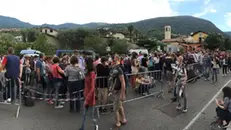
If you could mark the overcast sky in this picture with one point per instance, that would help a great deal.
(114, 11)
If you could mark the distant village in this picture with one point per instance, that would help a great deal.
(193, 41)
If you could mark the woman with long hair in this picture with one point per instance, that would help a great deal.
(135, 68)
(224, 107)
(89, 91)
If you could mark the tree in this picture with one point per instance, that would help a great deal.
(24, 36)
(130, 29)
(31, 35)
(119, 46)
(42, 45)
(21, 46)
(95, 43)
(6, 40)
(214, 41)
(227, 44)
(149, 44)
(73, 38)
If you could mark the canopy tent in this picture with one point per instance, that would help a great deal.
(23, 52)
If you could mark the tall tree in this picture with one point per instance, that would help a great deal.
(96, 44)
(214, 41)
(42, 45)
(31, 35)
(130, 29)
(6, 40)
(73, 38)
(227, 44)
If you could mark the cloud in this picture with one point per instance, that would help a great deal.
(207, 2)
(213, 11)
(84, 11)
(205, 12)
(228, 19)
(183, 0)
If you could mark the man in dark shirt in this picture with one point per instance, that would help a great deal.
(144, 61)
(13, 68)
(168, 61)
(102, 71)
(40, 71)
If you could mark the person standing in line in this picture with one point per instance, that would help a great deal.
(135, 68)
(215, 69)
(207, 66)
(57, 80)
(168, 62)
(89, 92)
(102, 70)
(75, 76)
(181, 80)
(224, 65)
(144, 62)
(118, 88)
(40, 71)
(13, 67)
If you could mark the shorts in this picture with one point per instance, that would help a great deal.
(117, 102)
(102, 95)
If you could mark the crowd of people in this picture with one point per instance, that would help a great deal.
(72, 73)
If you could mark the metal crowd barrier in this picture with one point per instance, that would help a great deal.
(10, 93)
(194, 72)
(134, 90)
(153, 86)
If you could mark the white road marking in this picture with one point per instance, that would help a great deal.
(205, 107)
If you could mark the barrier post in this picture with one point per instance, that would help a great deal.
(11, 93)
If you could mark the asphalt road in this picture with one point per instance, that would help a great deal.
(146, 114)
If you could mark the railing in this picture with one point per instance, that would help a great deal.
(10, 92)
(135, 90)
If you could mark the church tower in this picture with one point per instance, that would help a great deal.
(167, 32)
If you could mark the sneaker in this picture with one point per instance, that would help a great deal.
(59, 106)
(223, 126)
(104, 111)
(8, 100)
(178, 107)
(184, 111)
(62, 103)
(96, 127)
(50, 102)
(173, 99)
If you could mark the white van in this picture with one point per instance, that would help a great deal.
(143, 51)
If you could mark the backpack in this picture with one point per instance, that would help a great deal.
(28, 101)
(113, 79)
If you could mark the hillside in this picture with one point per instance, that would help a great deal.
(179, 24)
(228, 33)
(8, 22)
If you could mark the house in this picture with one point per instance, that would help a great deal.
(10, 29)
(118, 36)
(192, 42)
(49, 31)
(199, 36)
(18, 38)
(115, 35)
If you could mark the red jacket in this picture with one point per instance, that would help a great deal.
(89, 90)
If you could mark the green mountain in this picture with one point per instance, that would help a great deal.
(180, 25)
(228, 33)
(9, 22)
